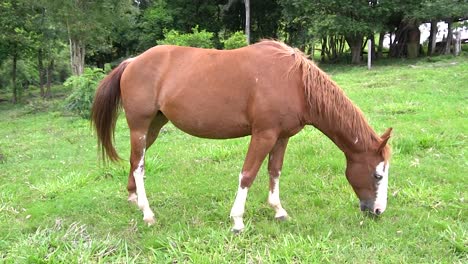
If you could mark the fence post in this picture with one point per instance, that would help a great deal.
(369, 54)
(457, 49)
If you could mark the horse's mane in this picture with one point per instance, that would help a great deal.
(326, 99)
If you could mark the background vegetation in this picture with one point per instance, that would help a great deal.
(43, 42)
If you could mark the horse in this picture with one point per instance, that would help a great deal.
(267, 90)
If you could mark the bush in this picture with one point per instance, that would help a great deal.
(200, 39)
(236, 40)
(83, 90)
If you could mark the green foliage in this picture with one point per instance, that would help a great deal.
(26, 73)
(236, 40)
(96, 25)
(83, 90)
(323, 18)
(155, 18)
(199, 39)
(425, 10)
(16, 35)
(265, 16)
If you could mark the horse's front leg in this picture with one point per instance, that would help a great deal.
(260, 145)
(275, 163)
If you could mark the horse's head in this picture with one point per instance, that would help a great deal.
(367, 173)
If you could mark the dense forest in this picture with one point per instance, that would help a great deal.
(46, 41)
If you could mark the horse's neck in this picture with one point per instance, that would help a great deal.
(342, 122)
(342, 139)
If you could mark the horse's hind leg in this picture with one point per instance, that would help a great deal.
(158, 122)
(143, 132)
(275, 163)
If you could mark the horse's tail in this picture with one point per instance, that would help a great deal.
(105, 111)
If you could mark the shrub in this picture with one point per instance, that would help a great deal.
(236, 40)
(83, 90)
(200, 39)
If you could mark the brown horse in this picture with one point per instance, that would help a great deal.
(267, 90)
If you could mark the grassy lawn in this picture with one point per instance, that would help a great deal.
(59, 204)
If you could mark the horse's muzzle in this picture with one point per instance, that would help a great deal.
(369, 206)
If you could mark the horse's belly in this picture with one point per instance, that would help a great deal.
(208, 120)
(218, 130)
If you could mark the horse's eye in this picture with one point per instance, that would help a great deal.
(377, 176)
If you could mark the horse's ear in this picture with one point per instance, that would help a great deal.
(385, 137)
(387, 133)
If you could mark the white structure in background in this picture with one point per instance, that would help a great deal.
(425, 32)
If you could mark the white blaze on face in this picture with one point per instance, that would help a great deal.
(382, 186)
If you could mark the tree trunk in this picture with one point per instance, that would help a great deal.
(13, 76)
(247, 20)
(355, 43)
(371, 52)
(448, 43)
(432, 38)
(392, 44)
(406, 41)
(324, 47)
(356, 54)
(40, 69)
(77, 56)
(49, 69)
(342, 45)
(312, 52)
(380, 47)
(333, 49)
(414, 36)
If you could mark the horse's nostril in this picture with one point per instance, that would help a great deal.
(377, 211)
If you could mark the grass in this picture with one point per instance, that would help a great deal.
(59, 204)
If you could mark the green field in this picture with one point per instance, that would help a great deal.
(58, 203)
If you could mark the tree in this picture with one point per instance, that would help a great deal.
(46, 45)
(152, 22)
(407, 15)
(178, 15)
(15, 36)
(433, 11)
(332, 19)
(247, 16)
(88, 22)
(247, 20)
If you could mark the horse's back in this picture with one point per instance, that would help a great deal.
(212, 93)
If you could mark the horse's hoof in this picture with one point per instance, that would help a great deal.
(149, 220)
(132, 198)
(236, 231)
(282, 218)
